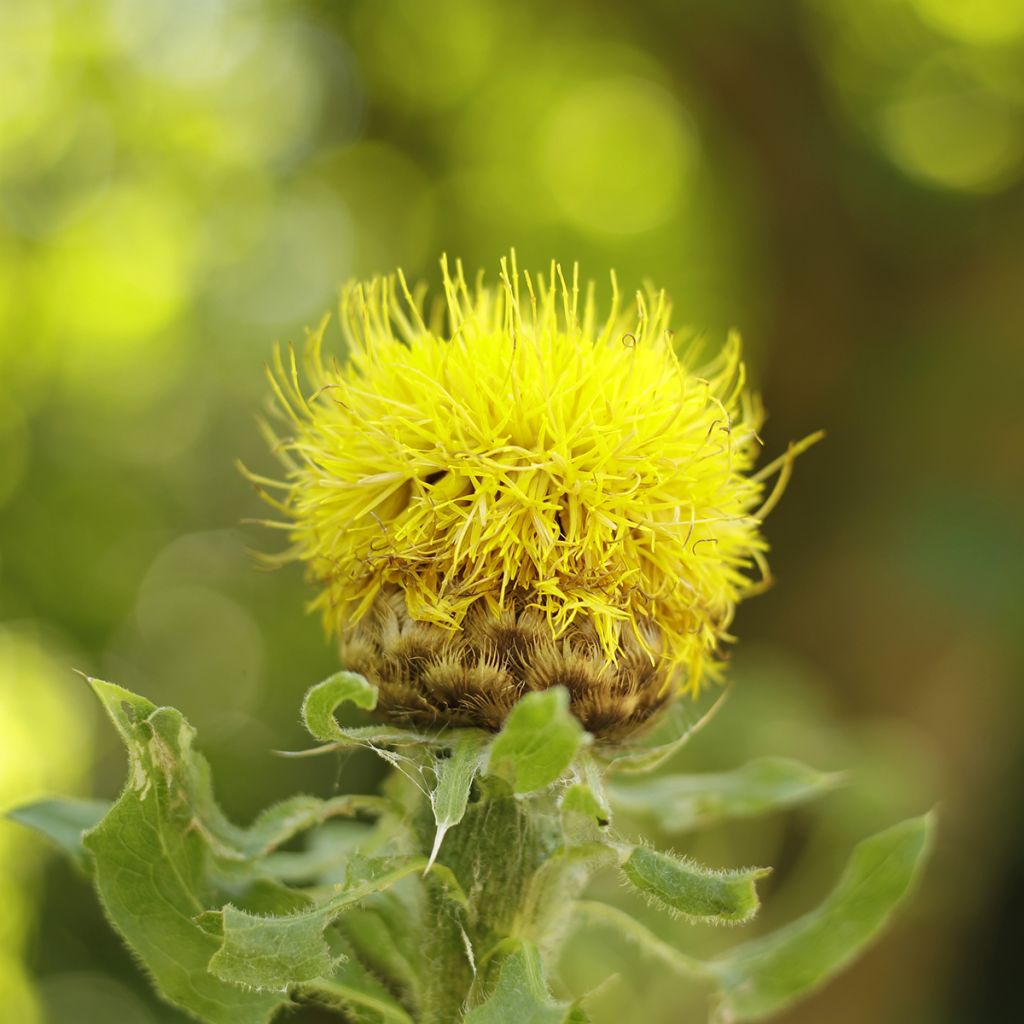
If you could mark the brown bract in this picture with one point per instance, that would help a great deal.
(430, 676)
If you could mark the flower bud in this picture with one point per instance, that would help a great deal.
(508, 493)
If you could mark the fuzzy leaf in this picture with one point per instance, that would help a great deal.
(356, 995)
(587, 795)
(455, 775)
(384, 937)
(587, 913)
(680, 803)
(675, 727)
(323, 860)
(150, 855)
(761, 977)
(282, 821)
(538, 742)
(521, 995)
(166, 859)
(274, 952)
(63, 822)
(564, 873)
(696, 892)
(323, 700)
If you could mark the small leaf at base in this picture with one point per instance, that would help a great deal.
(727, 897)
(521, 995)
(272, 952)
(538, 742)
(455, 775)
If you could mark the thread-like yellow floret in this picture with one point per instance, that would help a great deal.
(512, 441)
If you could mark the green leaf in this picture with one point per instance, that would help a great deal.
(587, 795)
(273, 952)
(323, 860)
(696, 892)
(323, 700)
(625, 926)
(63, 822)
(761, 977)
(680, 803)
(538, 742)
(282, 821)
(150, 857)
(166, 859)
(354, 993)
(455, 775)
(521, 995)
(560, 878)
(384, 936)
(674, 728)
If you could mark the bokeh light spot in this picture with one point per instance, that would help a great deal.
(14, 446)
(45, 747)
(187, 41)
(83, 996)
(975, 21)
(293, 269)
(617, 154)
(224, 652)
(26, 69)
(409, 60)
(953, 134)
(389, 201)
(120, 271)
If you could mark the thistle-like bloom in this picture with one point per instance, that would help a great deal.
(510, 492)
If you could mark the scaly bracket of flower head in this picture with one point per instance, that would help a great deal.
(508, 493)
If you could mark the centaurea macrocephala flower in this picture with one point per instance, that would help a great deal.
(511, 491)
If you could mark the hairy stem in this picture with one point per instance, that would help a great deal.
(495, 853)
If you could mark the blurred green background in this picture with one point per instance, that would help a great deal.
(183, 183)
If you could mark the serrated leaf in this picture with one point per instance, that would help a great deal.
(150, 854)
(696, 892)
(63, 822)
(682, 802)
(675, 727)
(455, 775)
(761, 977)
(521, 995)
(538, 741)
(166, 859)
(273, 952)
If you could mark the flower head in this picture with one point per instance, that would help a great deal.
(513, 491)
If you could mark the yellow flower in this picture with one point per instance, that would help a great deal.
(509, 492)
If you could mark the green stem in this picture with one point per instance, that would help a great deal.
(495, 853)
